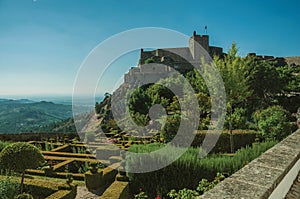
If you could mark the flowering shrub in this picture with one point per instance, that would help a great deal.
(141, 195)
(204, 185)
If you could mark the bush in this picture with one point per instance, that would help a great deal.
(183, 194)
(3, 145)
(241, 138)
(238, 119)
(273, 123)
(171, 127)
(8, 188)
(189, 168)
(204, 186)
(20, 156)
(149, 60)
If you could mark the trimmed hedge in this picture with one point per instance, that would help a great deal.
(64, 194)
(241, 138)
(189, 169)
(3, 144)
(19, 156)
(117, 190)
(44, 188)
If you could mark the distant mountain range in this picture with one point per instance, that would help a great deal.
(23, 115)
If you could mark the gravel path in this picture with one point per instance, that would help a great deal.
(294, 192)
(83, 193)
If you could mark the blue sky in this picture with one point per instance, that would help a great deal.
(44, 42)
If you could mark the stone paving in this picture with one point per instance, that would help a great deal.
(83, 193)
(294, 192)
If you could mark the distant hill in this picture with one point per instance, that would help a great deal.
(65, 126)
(18, 116)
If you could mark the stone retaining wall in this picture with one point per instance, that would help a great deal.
(268, 176)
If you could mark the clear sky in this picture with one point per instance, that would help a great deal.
(44, 42)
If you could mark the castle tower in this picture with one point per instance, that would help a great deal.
(203, 40)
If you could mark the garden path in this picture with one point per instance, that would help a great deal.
(294, 192)
(83, 193)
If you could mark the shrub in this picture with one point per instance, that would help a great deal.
(204, 185)
(183, 194)
(170, 129)
(238, 119)
(3, 144)
(241, 138)
(20, 156)
(273, 123)
(8, 188)
(141, 195)
(149, 60)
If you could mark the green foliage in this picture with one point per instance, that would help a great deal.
(203, 186)
(24, 196)
(273, 123)
(149, 60)
(69, 177)
(8, 188)
(3, 144)
(20, 156)
(66, 125)
(264, 80)
(141, 195)
(189, 168)
(48, 146)
(170, 129)
(238, 119)
(242, 138)
(139, 101)
(183, 194)
(234, 70)
(197, 82)
(18, 117)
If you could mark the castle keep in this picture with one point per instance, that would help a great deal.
(170, 59)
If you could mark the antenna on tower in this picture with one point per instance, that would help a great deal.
(205, 29)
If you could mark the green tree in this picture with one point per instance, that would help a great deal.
(197, 82)
(234, 71)
(265, 82)
(139, 101)
(171, 127)
(273, 123)
(20, 156)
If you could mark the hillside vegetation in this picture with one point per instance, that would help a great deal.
(18, 116)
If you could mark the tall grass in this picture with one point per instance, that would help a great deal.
(189, 169)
